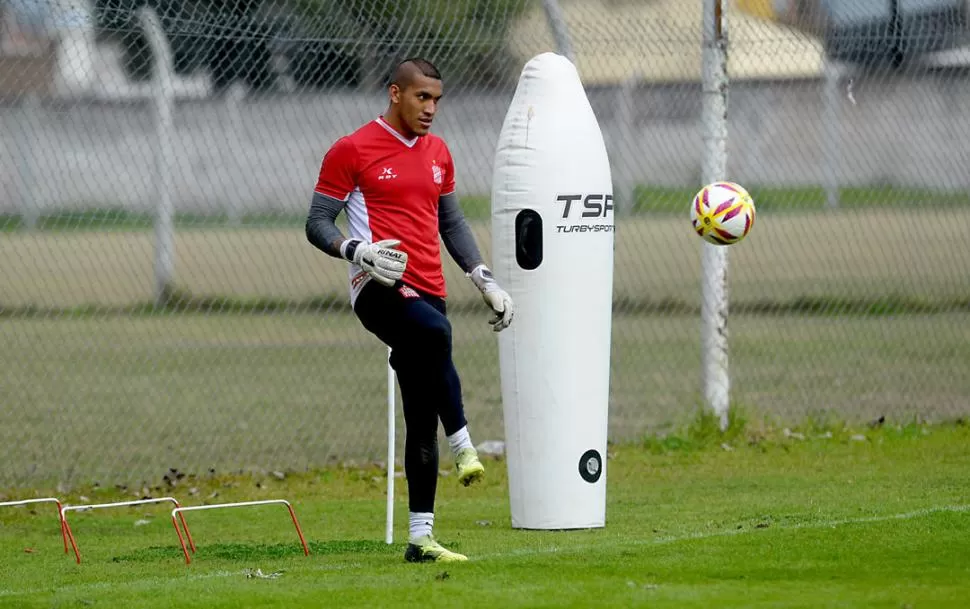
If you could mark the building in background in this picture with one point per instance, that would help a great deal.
(23, 26)
(872, 31)
(47, 47)
(26, 51)
(56, 48)
(659, 41)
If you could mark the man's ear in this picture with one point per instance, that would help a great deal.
(395, 93)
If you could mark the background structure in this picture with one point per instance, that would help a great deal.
(160, 306)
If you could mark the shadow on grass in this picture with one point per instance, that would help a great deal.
(747, 427)
(180, 301)
(250, 551)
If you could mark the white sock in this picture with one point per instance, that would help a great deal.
(420, 524)
(459, 440)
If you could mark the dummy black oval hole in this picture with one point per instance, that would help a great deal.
(528, 239)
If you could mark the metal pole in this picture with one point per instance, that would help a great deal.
(24, 135)
(832, 130)
(237, 127)
(164, 157)
(389, 532)
(714, 299)
(560, 31)
(625, 136)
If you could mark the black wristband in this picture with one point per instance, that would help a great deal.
(350, 248)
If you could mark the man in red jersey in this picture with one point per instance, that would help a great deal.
(396, 182)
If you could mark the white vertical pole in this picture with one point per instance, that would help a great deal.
(832, 129)
(560, 31)
(714, 299)
(25, 132)
(164, 157)
(389, 532)
(624, 134)
(234, 98)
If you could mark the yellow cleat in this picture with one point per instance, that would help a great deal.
(426, 549)
(470, 469)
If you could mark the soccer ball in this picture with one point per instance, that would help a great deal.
(722, 213)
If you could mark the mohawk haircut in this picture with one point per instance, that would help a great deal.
(405, 71)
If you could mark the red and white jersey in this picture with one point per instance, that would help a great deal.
(392, 185)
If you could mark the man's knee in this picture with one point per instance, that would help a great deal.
(434, 335)
(440, 332)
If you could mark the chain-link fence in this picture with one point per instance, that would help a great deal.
(161, 308)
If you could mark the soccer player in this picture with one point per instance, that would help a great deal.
(396, 183)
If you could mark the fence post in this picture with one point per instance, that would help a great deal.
(26, 159)
(714, 299)
(236, 138)
(624, 135)
(832, 129)
(163, 105)
(560, 31)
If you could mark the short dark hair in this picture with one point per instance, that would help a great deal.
(406, 69)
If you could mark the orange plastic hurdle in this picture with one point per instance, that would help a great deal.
(178, 511)
(95, 506)
(60, 517)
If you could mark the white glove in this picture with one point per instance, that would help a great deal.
(380, 260)
(494, 296)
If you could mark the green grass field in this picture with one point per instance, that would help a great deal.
(851, 314)
(839, 319)
(859, 258)
(126, 398)
(646, 199)
(820, 518)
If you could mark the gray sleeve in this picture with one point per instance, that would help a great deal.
(456, 234)
(321, 228)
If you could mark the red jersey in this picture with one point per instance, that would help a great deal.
(392, 185)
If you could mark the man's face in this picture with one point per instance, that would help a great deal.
(417, 103)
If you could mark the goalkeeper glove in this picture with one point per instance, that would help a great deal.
(380, 260)
(494, 296)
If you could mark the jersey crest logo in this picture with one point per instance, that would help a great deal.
(408, 292)
(387, 173)
(436, 172)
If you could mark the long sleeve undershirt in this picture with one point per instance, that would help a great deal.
(322, 231)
